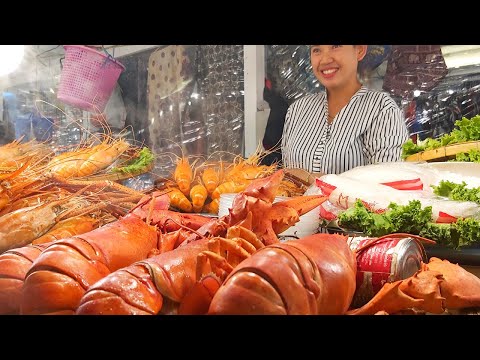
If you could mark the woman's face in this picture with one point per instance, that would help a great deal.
(335, 66)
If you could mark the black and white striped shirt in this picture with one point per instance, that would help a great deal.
(369, 129)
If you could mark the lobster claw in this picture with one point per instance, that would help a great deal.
(286, 213)
(265, 188)
(420, 291)
(461, 288)
(243, 204)
(257, 197)
(282, 215)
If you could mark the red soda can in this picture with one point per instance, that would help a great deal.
(387, 260)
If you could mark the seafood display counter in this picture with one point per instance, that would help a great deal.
(148, 258)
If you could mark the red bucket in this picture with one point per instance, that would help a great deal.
(88, 78)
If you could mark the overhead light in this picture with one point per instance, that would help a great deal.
(10, 58)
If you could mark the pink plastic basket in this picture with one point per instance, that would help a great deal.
(88, 78)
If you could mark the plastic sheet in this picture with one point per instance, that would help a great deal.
(432, 95)
(290, 71)
(180, 100)
(195, 102)
(36, 115)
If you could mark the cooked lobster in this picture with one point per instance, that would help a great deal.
(312, 275)
(14, 264)
(269, 282)
(269, 218)
(61, 274)
(148, 287)
(178, 281)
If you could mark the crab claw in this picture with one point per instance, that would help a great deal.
(419, 291)
(461, 288)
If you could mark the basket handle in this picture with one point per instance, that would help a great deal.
(107, 53)
(109, 57)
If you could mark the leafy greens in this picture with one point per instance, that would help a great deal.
(467, 130)
(410, 219)
(144, 159)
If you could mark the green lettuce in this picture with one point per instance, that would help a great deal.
(359, 218)
(144, 159)
(466, 130)
(412, 219)
(409, 218)
(456, 191)
(473, 155)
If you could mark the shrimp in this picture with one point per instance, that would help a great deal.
(13, 153)
(87, 161)
(230, 187)
(32, 200)
(249, 168)
(4, 197)
(22, 226)
(183, 175)
(198, 195)
(179, 200)
(66, 165)
(7, 191)
(211, 179)
(104, 156)
(212, 207)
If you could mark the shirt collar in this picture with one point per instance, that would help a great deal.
(363, 90)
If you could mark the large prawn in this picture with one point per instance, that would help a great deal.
(17, 152)
(87, 161)
(22, 226)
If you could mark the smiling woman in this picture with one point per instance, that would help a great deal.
(346, 126)
(10, 58)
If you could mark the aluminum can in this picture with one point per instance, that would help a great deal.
(388, 260)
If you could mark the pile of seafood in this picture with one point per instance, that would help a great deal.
(197, 186)
(44, 196)
(156, 261)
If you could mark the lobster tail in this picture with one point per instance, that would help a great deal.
(60, 276)
(64, 271)
(14, 264)
(312, 275)
(128, 291)
(146, 287)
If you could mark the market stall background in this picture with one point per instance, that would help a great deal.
(195, 99)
